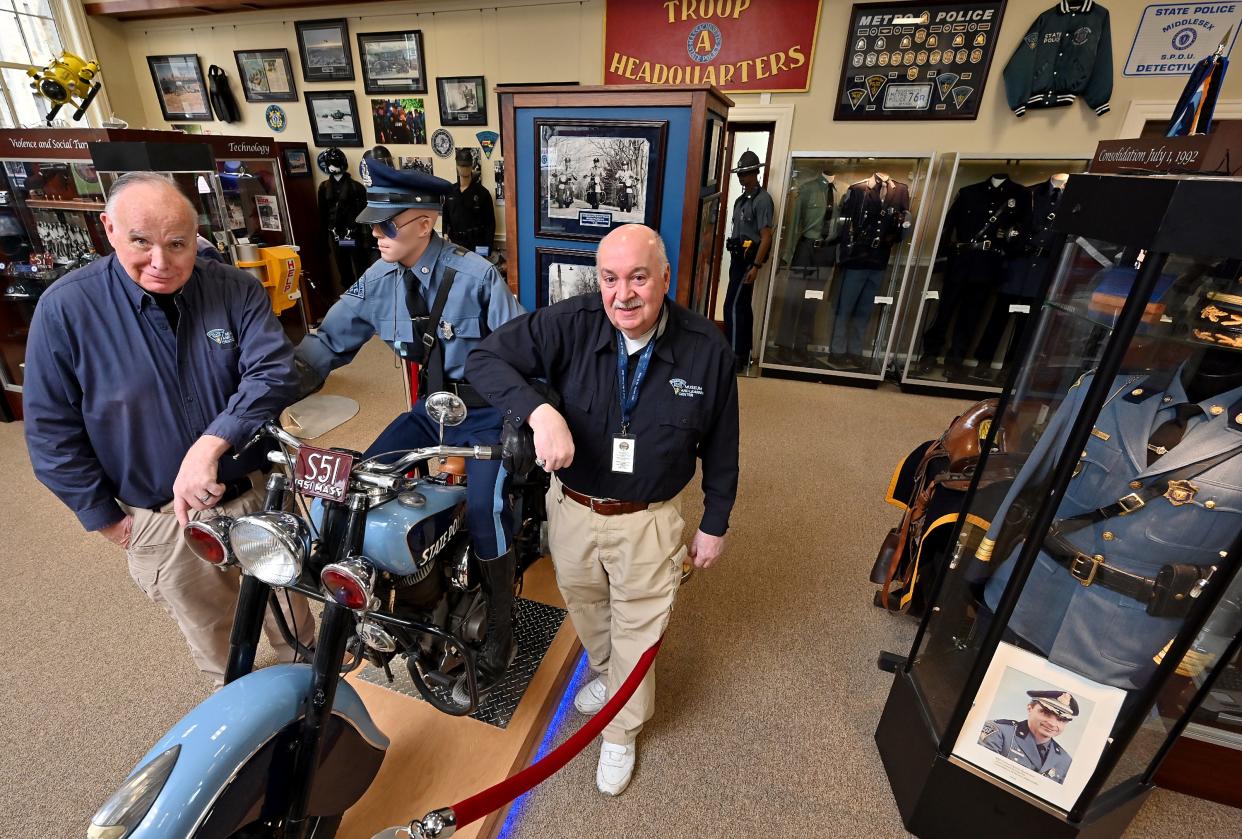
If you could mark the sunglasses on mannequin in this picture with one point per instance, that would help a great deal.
(390, 229)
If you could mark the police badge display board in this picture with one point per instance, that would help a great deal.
(916, 61)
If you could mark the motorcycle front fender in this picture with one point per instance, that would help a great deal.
(232, 736)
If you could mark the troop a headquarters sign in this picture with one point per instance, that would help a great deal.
(1173, 37)
(751, 46)
(917, 61)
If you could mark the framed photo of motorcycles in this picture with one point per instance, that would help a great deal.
(392, 62)
(597, 175)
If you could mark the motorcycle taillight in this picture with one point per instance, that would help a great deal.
(349, 583)
(208, 539)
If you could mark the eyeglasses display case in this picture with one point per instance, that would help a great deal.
(1089, 605)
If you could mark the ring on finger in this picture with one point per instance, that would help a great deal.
(540, 462)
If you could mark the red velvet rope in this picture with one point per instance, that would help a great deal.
(494, 797)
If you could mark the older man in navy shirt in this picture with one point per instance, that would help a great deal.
(143, 370)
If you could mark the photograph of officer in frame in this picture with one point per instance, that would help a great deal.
(1038, 726)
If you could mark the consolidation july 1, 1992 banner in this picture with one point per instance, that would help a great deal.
(750, 46)
(917, 61)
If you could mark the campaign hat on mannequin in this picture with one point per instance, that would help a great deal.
(393, 191)
(748, 162)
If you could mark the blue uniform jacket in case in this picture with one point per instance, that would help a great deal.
(1067, 53)
(114, 398)
(479, 302)
(1092, 630)
(1013, 739)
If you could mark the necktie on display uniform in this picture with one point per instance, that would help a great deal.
(1170, 433)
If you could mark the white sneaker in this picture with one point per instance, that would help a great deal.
(591, 696)
(616, 765)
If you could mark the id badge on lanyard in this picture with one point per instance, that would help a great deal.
(624, 445)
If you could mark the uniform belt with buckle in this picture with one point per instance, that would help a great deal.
(605, 506)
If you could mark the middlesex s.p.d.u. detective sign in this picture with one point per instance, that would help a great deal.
(751, 46)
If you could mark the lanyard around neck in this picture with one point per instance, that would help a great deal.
(629, 399)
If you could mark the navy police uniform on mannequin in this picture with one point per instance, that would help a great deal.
(1154, 502)
(432, 302)
(1031, 742)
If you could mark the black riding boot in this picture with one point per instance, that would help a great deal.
(496, 578)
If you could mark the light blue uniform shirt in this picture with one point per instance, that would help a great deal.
(479, 302)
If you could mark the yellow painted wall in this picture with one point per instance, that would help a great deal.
(562, 40)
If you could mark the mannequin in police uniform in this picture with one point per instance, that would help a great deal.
(396, 299)
(977, 230)
(1153, 505)
(469, 217)
(1031, 742)
(341, 199)
(810, 252)
(749, 245)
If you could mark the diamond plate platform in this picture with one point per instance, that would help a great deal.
(537, 625)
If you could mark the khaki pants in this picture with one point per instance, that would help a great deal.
(201, 598)
(619, 576)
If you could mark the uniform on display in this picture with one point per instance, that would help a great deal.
(1066, 54)
(469, 215)
(341, 199)
(1089, 598)
(810, 252)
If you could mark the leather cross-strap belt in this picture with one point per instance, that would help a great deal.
(605, 506)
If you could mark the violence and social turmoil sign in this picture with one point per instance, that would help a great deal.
(751, 46)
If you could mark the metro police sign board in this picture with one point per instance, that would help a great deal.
(1173, 37)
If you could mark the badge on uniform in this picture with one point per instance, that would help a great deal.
(623, 454)
(446, 330)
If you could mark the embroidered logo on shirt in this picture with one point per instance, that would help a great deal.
(358, 289)
(221, 336)
(682, 388)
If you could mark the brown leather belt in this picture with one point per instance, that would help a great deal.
(605, 506)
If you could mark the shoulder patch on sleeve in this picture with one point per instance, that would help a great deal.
(989, 728)
(358, 289)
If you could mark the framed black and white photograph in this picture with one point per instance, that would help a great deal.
(266, 75)
(463, 100)
(564, 273)
(1038, 726)
(180, 87)
(392, 62)
(334, 118)
(324, 48)
(595, 175)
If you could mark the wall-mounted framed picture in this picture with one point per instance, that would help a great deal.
(392, 62)
(297, 162)
(711, 156)
(180, 87)
(266, 75)
(564, 273)
(463, 100)
(595, 175)
(334, 117)
(323, 46)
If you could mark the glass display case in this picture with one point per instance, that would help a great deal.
(843, 256)
(1090, 602)
(991, 252)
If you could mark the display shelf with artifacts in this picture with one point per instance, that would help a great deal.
(582, 161)
(1087, 609)
(844, 254)
(982, 281)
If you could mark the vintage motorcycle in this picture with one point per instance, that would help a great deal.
(282, 752)
(594, 191)
(564, 191)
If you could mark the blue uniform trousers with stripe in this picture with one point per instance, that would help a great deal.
(488, 514)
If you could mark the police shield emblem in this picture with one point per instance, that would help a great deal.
(933, 41)
(961, 94)
(906, 43)
(959, 40)
(881, 43)
(920, 36)
(980, 39)
(446, 330)
(874, 83)
(856, 95)
(1180, 492)
(883, 59)
(945, 82)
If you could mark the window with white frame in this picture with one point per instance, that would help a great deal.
(29, 36)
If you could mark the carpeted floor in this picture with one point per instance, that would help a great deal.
(768, 689)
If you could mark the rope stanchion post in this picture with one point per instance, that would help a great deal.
(444, 822)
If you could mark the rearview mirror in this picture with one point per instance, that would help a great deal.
(446, 408)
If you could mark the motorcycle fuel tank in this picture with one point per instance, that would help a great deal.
(400, 537)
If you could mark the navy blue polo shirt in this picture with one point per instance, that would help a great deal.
(114, 397)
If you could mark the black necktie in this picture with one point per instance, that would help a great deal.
(414, 296)
(1170, 433)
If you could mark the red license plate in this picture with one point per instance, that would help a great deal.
(322, 473)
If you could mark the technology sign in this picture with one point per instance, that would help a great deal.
(1173, 37)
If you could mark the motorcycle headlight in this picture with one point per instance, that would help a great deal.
(128, 806)
(271, 546)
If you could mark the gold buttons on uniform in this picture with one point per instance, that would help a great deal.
(1216, 410)
(1138, 391)
(1136, 484)
(1109, 536)
(1211, 505)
